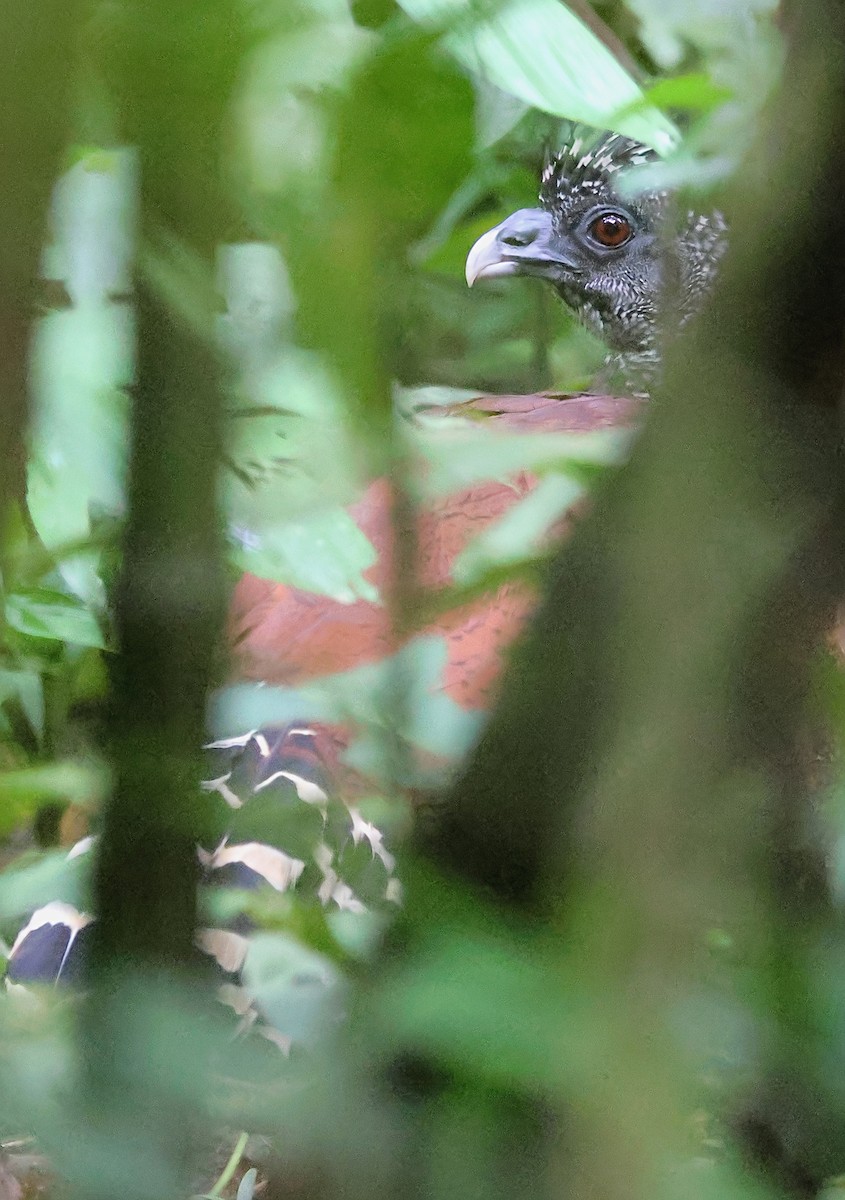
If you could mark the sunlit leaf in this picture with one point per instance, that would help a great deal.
(77, 465)
(541, 52)
(42, 613)
(325, 553)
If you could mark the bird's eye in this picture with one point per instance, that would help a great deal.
(612, 230)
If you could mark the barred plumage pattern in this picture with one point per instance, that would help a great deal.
(282, 780)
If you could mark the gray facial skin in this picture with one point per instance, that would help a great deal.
(605, 256)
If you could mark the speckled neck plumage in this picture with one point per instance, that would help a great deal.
(621, 300)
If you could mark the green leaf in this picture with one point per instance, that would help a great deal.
(490, 1005)
(519, 531)
(427, 717)
(294, 465)
(297, 990)
(406, 96)
(460, 452)
(277, 437)
(357, 933)
(43, 613)
(451, 254)
(695, 92)
(542, 53)
(668, 30)
(325, 552)
(364, 871)
(51, 877)
(27, 688)
(278, 817)
(78, 442)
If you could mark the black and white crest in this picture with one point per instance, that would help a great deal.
(588, 163)
(608, 249)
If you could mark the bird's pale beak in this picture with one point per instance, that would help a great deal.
(521, 245)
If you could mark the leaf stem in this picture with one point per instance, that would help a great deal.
(231, 1165)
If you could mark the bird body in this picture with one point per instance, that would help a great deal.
(605, 255)
(285, 635)
(292, 638)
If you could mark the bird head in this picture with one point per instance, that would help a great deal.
(604, 252)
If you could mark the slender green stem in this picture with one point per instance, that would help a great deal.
(231, 1165)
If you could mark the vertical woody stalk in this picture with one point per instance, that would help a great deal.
(647, 773)
(36, 74)
(176, 65)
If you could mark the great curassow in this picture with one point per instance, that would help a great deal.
(606, 257)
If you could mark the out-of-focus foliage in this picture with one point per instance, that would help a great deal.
(301, 117)
(546, 56)
(368, 147)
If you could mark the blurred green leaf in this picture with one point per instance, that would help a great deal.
(53, 876)
(427, 717)
(282, 504)
(540, 51)
(451, 254)
(27, 687)
(460, 451)
(364, 871)
(713, 25)
(42, 613)
(485, 1004)
(298, 991)
(77, 782)
(695, 92)
(78, 455)
(391, 106)
(325, 553)
(519, 531)
(357, 934)
(278, 817)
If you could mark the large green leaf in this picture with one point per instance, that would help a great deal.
(294, 465)
(460, 452)
(325, 552)
(42, 613)
(82, 357)
(542, 53)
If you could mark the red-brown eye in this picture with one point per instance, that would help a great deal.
(611, 230)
